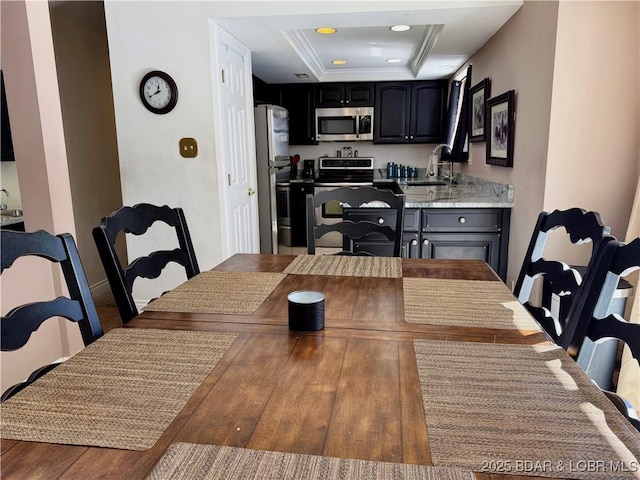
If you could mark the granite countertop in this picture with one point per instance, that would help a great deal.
(468, 192)
(9, 217)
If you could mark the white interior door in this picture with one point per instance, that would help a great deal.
(235, 144)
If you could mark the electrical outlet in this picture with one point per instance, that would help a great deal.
(188, 147)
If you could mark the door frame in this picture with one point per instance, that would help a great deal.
(217, 35)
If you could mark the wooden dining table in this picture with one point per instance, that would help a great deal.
(350, 390)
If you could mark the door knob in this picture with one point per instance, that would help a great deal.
(251, 191)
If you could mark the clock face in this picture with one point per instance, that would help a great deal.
(158, 92)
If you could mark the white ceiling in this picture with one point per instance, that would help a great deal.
(444, 35)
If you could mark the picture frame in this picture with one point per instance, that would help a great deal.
(480, 92)
(500, 128)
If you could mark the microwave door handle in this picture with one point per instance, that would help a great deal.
(357, 126)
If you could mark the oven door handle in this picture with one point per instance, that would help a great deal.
(343, 184)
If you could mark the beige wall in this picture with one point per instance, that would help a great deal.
(593, 156)
(38, 139)
(520, 57)
(576, 129)
(82, 61)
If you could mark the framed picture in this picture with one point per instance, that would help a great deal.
(479, 93)
(500, 129)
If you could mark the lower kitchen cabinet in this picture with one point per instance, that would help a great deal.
(373, 243)
(442, 233)
(410, 245)
(16, 227)
(466, 233)
(473, 246)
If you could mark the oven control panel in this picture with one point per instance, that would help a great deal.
(341, 163)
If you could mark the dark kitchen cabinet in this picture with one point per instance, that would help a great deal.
(329, 95)
(466, 233)
(298, 211)
(265, 93)
(410, 112)
(299, 100)
(470, 246)
(374, 243)
(411, 233)
(16, 227)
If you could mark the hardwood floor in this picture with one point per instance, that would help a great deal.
(107, 311)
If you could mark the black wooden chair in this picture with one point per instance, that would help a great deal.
(590, 315)
(136, 220)
(355, 232)
(558, 278)
(22, 321)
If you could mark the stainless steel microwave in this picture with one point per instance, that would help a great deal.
(347, 124)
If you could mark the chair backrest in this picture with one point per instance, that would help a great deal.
(561, 279)
(590, 315)
(136, 220)
(22, 321)
(354, 230)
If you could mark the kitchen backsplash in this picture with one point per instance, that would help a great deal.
(410, 155)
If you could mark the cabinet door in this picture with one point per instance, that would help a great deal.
(466, 246)
(374, 243)
(344, 95)
(391, 123)
(428, 101)
(298, 212)
(410, 245)
(265, 93)
(298, 99)
(411, 220)
(359, 94)
(330, 95)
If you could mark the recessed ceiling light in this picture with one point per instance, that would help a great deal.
(339, 62)
(301, 75)
(400, 28)
(394, 60)
(446, 67)
(326, 30)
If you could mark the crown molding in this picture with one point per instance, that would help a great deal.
(430, 38)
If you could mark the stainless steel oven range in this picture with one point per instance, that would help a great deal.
(335, 172)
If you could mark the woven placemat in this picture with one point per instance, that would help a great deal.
(200, 462)
(346, 266)
(521, 409)
(239, 293)
(464, 303)
(122, 391)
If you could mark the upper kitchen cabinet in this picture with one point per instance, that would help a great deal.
(299, 100)
(265, 93)
(410, 112)
(330, 95)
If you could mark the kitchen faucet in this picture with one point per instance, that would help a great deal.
(3, 206)
(430, 171)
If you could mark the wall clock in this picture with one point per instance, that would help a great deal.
(158, 92)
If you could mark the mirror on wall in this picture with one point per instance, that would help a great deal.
(457, 120)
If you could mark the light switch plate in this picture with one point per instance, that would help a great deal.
(188, 147)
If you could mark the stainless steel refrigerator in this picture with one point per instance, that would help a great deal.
(272, 155)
